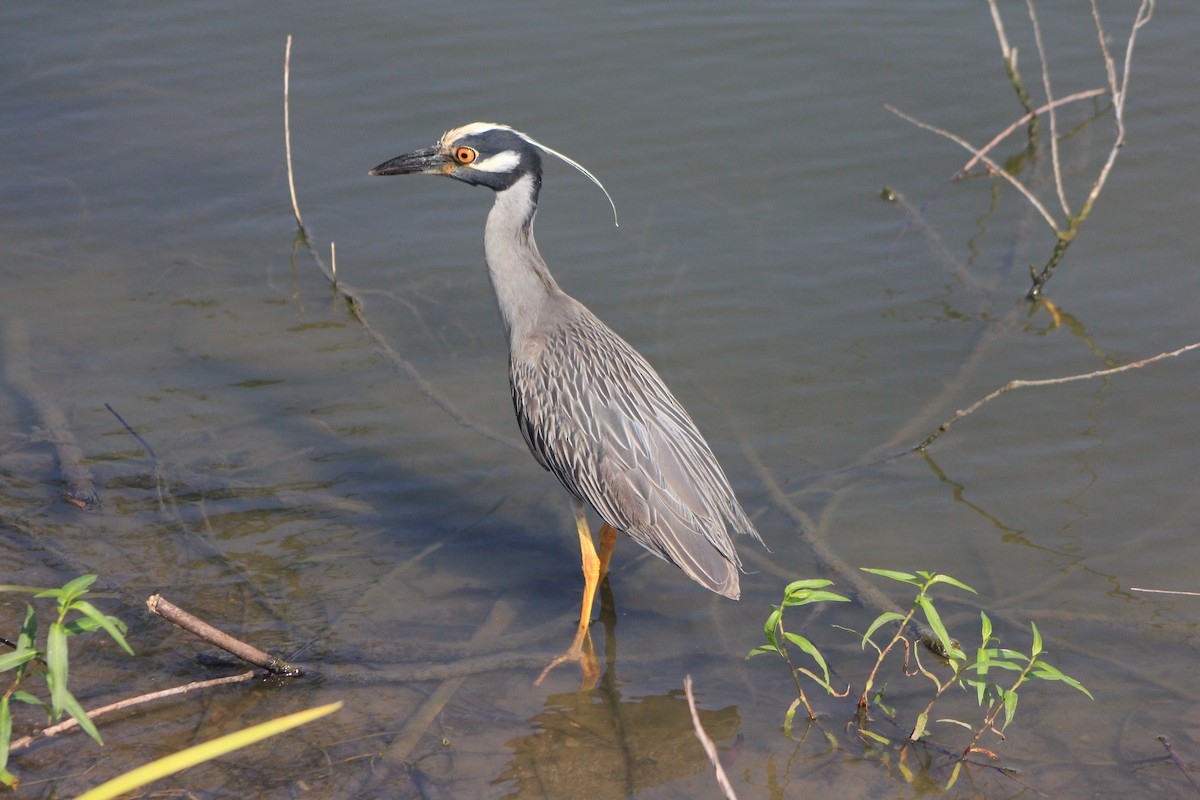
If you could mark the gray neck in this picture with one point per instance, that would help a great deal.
(520, 279)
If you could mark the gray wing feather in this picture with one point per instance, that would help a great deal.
(596, 415)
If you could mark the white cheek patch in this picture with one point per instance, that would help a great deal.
(501, 162)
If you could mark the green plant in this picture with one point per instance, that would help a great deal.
(798, 593)
(923, 623)
(74, 615)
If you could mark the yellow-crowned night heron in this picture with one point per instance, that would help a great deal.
(591, 409)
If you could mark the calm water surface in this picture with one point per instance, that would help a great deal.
(310, 496)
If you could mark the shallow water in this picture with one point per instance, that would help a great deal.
(313, 498)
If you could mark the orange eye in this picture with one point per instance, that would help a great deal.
(465, 155)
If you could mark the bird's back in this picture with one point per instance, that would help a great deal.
(598, 416)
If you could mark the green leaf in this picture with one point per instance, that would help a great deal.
(811, 649)
(1046, 672)
(79, 586)
(26, 697)
(1037, 640)
(939, 629)
(16, 658)
(80, 625)
(766, 648)
(815, 678)
(806, 596)
(56, 663)
(952, 581)
(954, 775)
(115, 627)
(789, 716)
(1006, 653)
(1010, 708)
(5, 732)
(903, 577)
(957, 722)
(985, 630)
(75, 710)
(807, 583)
(771, 624)
(920, 729)
(28, 635)
(12, 587)
(881, 620)
(872, 735)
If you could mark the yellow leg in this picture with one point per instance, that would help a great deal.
(581, 649)
(608, 540)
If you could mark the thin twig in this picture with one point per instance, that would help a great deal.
(1058, 180)
(1164, 591)
(710, 747)
(1166, 743)
(1021, 384)
(130, 702)
(1004, 134)
(189, 622)
(287, 128)
(992, 165)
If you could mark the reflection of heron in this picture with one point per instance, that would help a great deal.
(591, 409)
(604, 746)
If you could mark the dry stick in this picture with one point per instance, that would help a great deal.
(287, 128)
(355, 304)
(710, 747)
(1004, 134)
(992, 165)
(1119, 94)
(1021, 384)
(189, 622)
(68, 724)
(1166, 743)
(1165, 591)
(1054, 160)
(15, 356)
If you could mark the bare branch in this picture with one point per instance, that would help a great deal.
(129, 702)
(1177, 761)
(1058, 180)
(1021, 384)
(992, 165)
(193, 624)
(1165, 591)
(710, 747)
(1006, 52)
(287, 129)
(1004, 134)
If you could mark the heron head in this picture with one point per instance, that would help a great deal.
(482, 154)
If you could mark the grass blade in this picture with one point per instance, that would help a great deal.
(192, 756)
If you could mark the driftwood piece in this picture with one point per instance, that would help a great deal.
(193, 624)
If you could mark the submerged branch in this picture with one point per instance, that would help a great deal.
(120, 705)
(15, 359)
(1021, 384)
